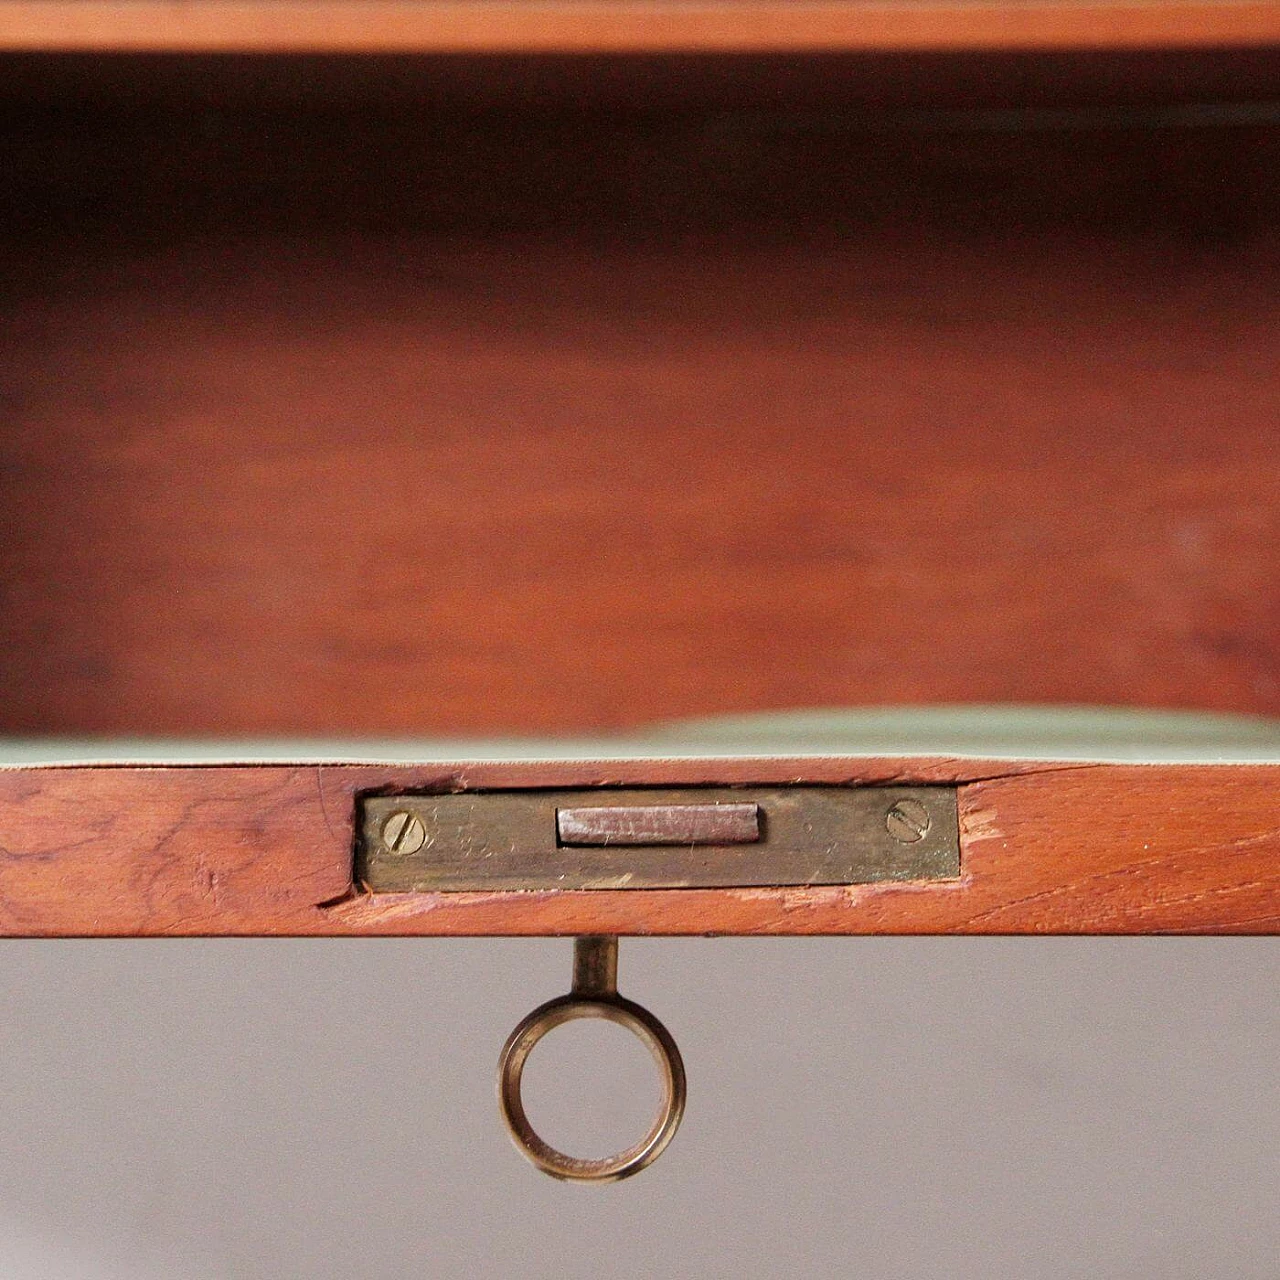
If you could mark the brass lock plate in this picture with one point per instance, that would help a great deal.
(642, 838)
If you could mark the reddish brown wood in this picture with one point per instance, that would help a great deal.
(291, 489)
(268, 850)
(408, 421)
(311, 427)
(471, 26)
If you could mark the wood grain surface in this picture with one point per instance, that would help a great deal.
(400, 421)
(268, 850)
(473, 487)
(592, 26)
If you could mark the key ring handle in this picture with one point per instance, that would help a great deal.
(594, 995)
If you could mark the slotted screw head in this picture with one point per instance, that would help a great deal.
(403, 832)
(908, 821)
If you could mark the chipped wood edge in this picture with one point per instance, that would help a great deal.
(267, 851)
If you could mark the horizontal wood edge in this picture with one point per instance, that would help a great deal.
(267, 850)
(606, 771)
(621, 26)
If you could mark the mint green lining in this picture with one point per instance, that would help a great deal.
(983, 732)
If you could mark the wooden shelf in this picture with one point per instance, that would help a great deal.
(624, 26)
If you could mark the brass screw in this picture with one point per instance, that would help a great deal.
(403, 832)
(908, 821)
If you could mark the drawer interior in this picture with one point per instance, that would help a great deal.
(461, 396)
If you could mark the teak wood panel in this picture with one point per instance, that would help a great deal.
(386, 420)
(628, 26)
(268, 850)
(456, 487)
(392, 421)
